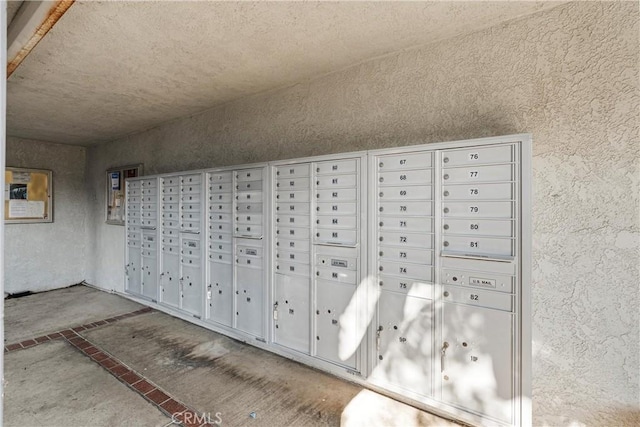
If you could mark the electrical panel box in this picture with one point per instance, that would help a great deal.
(405, 268)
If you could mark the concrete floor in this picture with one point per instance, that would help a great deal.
(55, 383)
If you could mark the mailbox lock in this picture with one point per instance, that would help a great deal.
(446, 176)
(446, 210)
(381, 179)
(445, 244)
(446, 293)
(446, 160)
(446, 226)
(381, 194)
(381, 223)
(446, 193)
(454, 278)
(381, 164)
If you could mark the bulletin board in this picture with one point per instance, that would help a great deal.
(116, 178)
(28, 195)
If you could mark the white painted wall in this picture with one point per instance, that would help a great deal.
(44, 256)
(570, 77)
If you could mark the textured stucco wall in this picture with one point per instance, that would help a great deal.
(570, 77)
(46, 256)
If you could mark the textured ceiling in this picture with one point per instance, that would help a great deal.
(108, 69)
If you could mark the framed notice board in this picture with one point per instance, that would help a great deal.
(116, 178)
(28, 195)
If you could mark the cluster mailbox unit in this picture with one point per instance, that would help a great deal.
(404, 269)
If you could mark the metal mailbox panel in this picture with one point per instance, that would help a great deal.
(337, 221)
(249, 208)
(134, 221)
(292, 232)
(478, 297)
(170, 207)
(149, 215)
(170, 249)
(170, 280)
(479, 245)
(483, 227)
(221, 207)
(133, 209)
(422, 208)
(190, 261)
(285, 184)
(478, 209)
(190, 216)
(192, 289)
(220, 177)
(285, 267)
(291, 244)
(220, 227)
(169, 232)
(220, 238)
(249, 197)
(416, 240)
(285, 220)
(414, 287)
(134, 244)
(406, 223)
(191, 247)
(390, 253)
(220, 293)
(478, 174)
(296, 170)
(220, 257)
(331, 235)
(171, 198)
(337, 181)
(249, 175)
(497, 191)
(478, 155)
(338, 194)
(291, 312)
(406, 269)
(402, 177)
(249, 301)
(336, 167)
(221, 187)
(472, 359)
(149, 222)
(415, 192)
(134, 272)
(405, 351)
(415, 160)
(293, 256)
(221, 198)
(292, 208)
(170, 223)
(134, 198)
(248, 186)
(133, 184)
(170, 241)
(337, 208)
(337, 274)
(332, 301)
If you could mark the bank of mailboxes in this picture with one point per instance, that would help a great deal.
(279, 253)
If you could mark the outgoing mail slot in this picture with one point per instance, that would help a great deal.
(333, 261)
(402, 223)
(249, 219)
(406, 269)
(400, 254)
(217, 188)
(220, 238)
(292, 256)
(292, 183)
(249, 175)
(415, 160)
(219, 246)
(292, 220)
(133, 244)
(343, 237)
(335, 167)
(477, 297)
(292, 170)
(220, 257)
(401, 177)
(220, 198)
(190, 252)
(170, 215)
(171, 223)
(481, 227)
(498, 191)
(336, 194)
(292, 245)
(292, 196)
(336, 181)
(133, 198)
(292, 232)
(470, 156)
(285, 267)
(169, 232)
(149, 253)
(249, 208)
(220, 227)
(417, 192)
(249, 186)
(478, 245)
(170, 241)
(248, 230)
(220, 177)
(292, 208)
(416, 240)
(220, 207)
(478, 209)
(422, 208)
(336, 208)
(482, 280)
(150, 199)
(249, 196)
(190, 189)
(134, 192)
(337, 274)
(220, 217)
(190, 216)
(149, 191)
(337, 221)
(191, 244)
(478, 174)
(249, 261)
(415, 287)
(190, 197)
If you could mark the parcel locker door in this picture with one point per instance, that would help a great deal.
(477, 360)
(291, 312)
(334, 327)
(249, 301)
(170, 277)
(404, 343)
(192, 292)
(134, 268)
(150, 277)
(220, 293)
